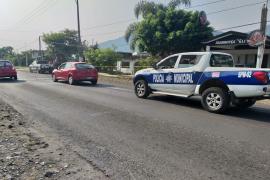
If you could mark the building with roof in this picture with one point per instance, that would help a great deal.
(236, 43)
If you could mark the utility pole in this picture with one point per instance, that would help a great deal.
(263, 31)
(79, 28)
(40, 53)
(26, 58)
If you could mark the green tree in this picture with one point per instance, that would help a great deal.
(6, 51)
(64, 45)
(104, 59)
(165, 29)
(147, 62)
(144, 8)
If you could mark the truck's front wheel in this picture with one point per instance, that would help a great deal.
(142, 89)
(215, 100)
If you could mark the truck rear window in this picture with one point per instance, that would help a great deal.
(220, 60)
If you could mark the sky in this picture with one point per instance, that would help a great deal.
(22, 21)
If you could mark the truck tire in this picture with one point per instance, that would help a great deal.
(215, 100)
(245, 103)
(142, 89)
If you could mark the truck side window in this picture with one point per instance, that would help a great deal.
(189, 61)
(168, 63)
(220, 60)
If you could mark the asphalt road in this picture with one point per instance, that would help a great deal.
(158, 138)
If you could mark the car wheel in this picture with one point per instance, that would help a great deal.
(142, 89)
(94, 82)
(215, 100)
(244, 103)
(71, 80)
(54, 78)
(15, 78)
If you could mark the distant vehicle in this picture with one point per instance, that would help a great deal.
(40, 67)
(7, 70)
(211, 75)
(73, 72)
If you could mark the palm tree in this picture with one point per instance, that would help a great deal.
(175, 3)
(143, 8)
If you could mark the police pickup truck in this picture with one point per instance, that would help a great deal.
(211, 75)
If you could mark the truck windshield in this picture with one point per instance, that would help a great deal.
(220, 60)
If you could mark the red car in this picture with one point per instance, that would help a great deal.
(7, 70)
(73, 72)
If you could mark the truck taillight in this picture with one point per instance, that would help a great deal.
(261, 76)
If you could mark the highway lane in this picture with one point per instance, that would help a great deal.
(157, 138)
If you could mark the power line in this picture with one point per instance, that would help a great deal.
(205, 4)
(41, 5)
(131, 20)
(244, 25)
(107, 33)
(41, 12)
(234, 8)
(41, 9)
(110, 24)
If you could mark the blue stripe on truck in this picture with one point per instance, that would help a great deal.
(228, 77)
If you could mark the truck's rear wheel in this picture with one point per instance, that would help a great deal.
(142, 89)
(215, 100)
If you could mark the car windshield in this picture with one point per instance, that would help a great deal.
(84, 66)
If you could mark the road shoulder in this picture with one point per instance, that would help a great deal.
(28, 153)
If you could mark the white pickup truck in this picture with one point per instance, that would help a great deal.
(210, 75)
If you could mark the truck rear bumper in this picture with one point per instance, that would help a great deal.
(242, 91)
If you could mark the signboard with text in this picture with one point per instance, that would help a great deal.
(256, 38)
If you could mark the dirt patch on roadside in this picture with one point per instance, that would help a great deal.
(122, 81)
(26, 154)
